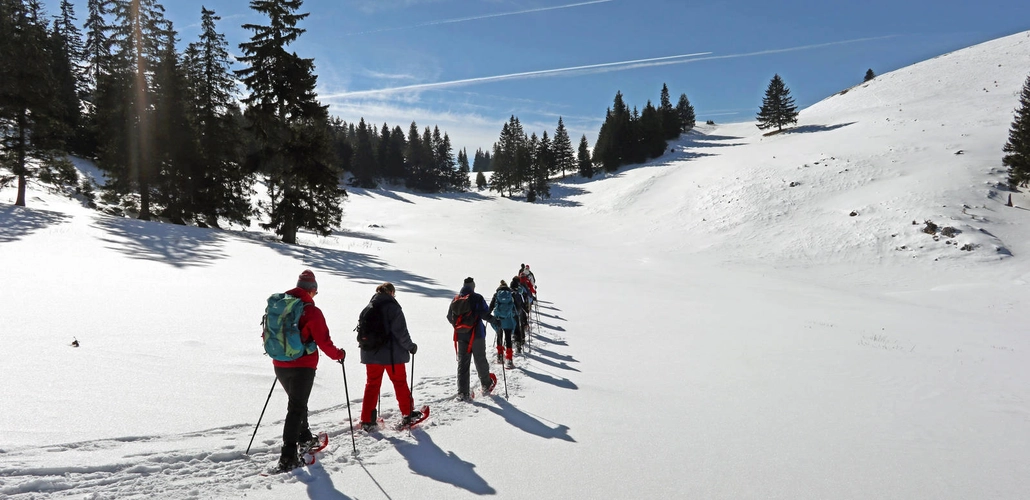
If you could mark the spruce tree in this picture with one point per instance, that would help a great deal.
(544, 159)
(30, 121)
(364, 164)
(778, 107)
(1018, 145)
(672, 125)
(462, 181)
(480, 181)
(394, 170)
(685, 113)
(586, 166)
(652, 132)
(564, 157)
(291, 126)
(69, 78)
(126, 102)
(869, 75)
(223, 188)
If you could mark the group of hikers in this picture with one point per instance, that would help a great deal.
(507, 312)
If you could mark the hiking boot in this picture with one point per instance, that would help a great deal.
(288, 459)
(412, 417)
(464, 398)
(307, 442)
(369, 426)
(500, 358)
(493, 383)
(518, 348)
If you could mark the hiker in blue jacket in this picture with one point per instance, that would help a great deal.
(466, 314)
(505, 306)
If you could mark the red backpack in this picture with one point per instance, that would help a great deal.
(461, 316)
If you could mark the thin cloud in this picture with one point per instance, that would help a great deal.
(593, 69)
(588, 69)
(485, 16)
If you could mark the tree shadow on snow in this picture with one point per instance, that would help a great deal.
(18, 222)
(526, 422)
(179, 246)
(361, 235)
(426, 459)
(319, 484)
(361, 268)
(807, 129)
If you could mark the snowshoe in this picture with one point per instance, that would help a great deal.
(414, 418)
(493, 384)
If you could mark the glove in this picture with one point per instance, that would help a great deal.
(414, 347)
(343, 354)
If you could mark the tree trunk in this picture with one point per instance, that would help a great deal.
(20, 168)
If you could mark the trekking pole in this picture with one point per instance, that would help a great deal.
(504, 373)
(412, 385)
(350, 418)
(262, 416)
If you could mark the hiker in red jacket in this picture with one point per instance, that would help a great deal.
(298, 376)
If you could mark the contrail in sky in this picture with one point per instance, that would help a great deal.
(487, 16)
(591, 69)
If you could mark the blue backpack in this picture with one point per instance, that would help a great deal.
(280, 329)
(504, 309)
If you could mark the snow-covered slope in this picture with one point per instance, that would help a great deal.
(706, 329)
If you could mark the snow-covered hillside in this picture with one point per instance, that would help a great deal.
(750, 316)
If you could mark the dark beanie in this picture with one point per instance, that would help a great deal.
(307, 280)
(470, 281)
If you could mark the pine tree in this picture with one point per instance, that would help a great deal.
(97, 50)
(462, 181)
(68, 71)
(175, 140)
(869, 75)
(544, 165)
(394, 169)
(125, 103)
(586, 167)
(30, 141)
(292, 128)
(364, 164)
(564, 157)
(482, 161)
(652, 132)
(480, 181)
(778, 107)
(223, 188)
(1018, 145)
(672, 125)
(685, 113)
(511, 158)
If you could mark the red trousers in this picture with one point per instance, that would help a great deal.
(374, 379)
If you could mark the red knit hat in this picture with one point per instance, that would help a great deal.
(307, 280)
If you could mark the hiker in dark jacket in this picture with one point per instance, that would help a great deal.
(523, 317)
(298, 376)
(390, 357)
(471, 344)
(507, 320)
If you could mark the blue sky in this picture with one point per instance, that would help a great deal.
(468, 65)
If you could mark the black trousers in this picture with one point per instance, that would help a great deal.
(297, 382)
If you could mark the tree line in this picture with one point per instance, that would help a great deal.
(170, 131)
(525, 163)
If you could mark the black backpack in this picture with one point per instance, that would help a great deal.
(371, 327)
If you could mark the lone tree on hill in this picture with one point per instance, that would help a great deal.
(869, 75)
(1018, 147)
(778, 107)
